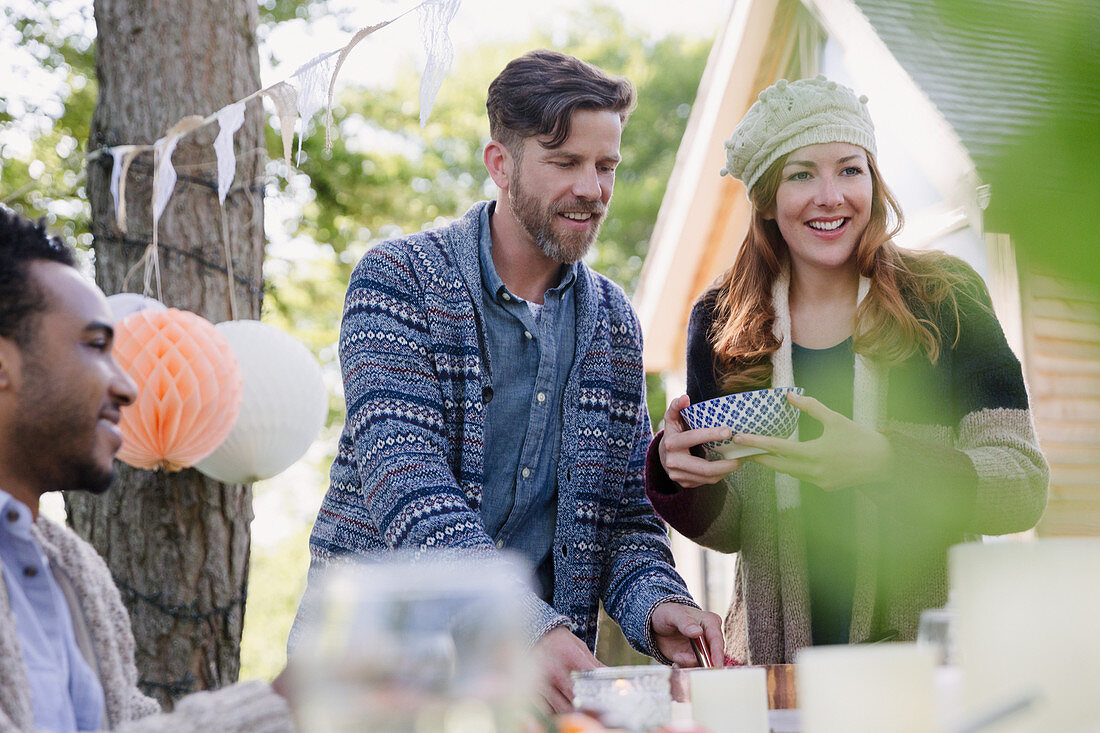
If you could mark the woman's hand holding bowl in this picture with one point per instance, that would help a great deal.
(845, 455)
(683, 466)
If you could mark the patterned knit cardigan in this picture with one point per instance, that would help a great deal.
(409, 467)
(102, 629)
(966, 462)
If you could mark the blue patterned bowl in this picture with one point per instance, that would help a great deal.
(761, 412)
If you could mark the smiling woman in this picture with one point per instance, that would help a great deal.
(822, 205)
(915, 430)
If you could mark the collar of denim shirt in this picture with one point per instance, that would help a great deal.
(490, 279)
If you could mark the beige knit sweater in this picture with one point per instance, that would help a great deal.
(252, 707)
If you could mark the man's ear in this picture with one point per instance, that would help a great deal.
(498, 161)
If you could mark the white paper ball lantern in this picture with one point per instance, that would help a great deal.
(123, 304)
(284, 407)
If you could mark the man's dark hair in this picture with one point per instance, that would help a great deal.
(537, 94)
(23, 241)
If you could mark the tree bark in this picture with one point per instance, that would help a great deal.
(177, 544)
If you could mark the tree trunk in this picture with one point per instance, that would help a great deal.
(177, 544)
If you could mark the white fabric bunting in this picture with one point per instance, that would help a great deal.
(165, 178)
(285, 97)
(230, 119)
(435, 17)
(122, 156)
(164, 174)
(312, 78)
(301, 99)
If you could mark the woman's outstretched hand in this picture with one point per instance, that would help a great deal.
(682, 466)
(846, 454)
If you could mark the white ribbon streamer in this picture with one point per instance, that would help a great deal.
(312, 78)
(285, 97)
(435, 16)
(165, 180)
(118, 155)
(230, 119)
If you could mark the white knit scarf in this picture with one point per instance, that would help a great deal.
(868, 409)
(865, 407)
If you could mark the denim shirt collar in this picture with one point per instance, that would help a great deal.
(21, 526)
(490, 279)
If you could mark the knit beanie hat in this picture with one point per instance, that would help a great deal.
(791, 115)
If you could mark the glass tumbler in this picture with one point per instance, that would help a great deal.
(934, 630)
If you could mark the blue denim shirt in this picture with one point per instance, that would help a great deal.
(65, 692)
(531, 358)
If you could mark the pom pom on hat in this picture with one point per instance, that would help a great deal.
(792, 115)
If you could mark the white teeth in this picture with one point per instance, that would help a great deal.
(827, 226)
(577, 217)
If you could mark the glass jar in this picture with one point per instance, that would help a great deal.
(637, 698)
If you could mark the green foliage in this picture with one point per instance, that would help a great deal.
(385, 175)
(46, 179)
(277, 11)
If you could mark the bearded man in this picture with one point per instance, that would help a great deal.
(495, 391)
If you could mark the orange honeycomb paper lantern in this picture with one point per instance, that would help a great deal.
(189, 388)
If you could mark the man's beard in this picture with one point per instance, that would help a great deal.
(91, 478)
(538, 221)
(54, 437)
(64, 470)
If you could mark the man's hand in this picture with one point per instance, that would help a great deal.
(559, 652)
(674, 625)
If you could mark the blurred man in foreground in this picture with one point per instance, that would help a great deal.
(66, 648)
